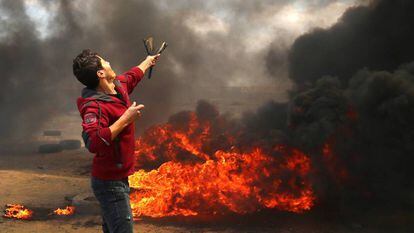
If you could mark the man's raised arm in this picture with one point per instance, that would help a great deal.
(133, 76)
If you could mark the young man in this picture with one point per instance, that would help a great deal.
(108, 132)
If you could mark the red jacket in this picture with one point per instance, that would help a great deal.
(113, 160)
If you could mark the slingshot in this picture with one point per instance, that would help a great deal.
(149, 47)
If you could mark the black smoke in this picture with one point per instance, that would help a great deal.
(382, 146)
(378, 37)
(354, 94)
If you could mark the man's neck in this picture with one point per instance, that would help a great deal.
(107, 88)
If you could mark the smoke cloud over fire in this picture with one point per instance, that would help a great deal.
(352, 107)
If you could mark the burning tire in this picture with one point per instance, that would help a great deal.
(50, 148)
(70, 144)
(52, 133)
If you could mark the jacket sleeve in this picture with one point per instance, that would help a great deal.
(131, 78)
(96, 133)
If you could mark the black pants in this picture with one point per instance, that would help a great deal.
(113, 197)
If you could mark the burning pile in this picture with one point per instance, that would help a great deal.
(198, 168)
(69, 210)
(17, 211)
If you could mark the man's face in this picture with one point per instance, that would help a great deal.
(106, 71)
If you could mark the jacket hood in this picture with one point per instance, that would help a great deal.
(88, 95)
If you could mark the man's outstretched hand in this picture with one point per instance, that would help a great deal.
(148, 62)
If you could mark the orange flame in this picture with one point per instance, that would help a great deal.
(17, 211)
(166, 141)
(69, 210)
(193, 179)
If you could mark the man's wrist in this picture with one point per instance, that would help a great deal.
(122, 122)
(117, 127)
(145, 65)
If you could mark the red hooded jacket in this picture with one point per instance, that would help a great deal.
(114, 159)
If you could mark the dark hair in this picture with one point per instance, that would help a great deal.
(85, 66)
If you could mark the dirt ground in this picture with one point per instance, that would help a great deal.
(44, 182)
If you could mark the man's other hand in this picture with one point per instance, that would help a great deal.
(132, 113)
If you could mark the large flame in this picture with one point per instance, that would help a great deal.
(17, 211)
(194, 177)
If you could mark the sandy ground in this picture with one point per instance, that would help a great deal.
(44, 182)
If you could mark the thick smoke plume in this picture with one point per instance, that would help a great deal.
(352, 108)
(378, 37)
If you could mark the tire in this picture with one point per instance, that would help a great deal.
(50, 148)
(70, 144)
(52, 133)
